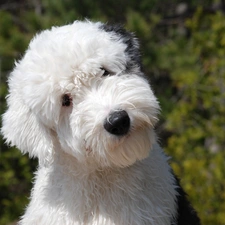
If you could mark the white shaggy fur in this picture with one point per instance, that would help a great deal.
(87, 175)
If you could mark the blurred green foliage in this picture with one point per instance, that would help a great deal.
(197, 120)
(184, 57)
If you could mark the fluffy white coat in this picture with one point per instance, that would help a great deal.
(86, 175)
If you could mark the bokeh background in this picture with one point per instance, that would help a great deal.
(183, 49)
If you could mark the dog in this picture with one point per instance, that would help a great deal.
(79, 101)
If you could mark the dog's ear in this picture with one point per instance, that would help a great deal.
(132, 50)
(22, 128)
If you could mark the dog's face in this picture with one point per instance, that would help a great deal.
(79, 89)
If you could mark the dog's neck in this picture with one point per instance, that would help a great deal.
(89, 188)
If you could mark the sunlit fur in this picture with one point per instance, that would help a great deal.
(87, 175)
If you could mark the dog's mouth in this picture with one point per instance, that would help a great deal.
(121, 132)
(113, 148)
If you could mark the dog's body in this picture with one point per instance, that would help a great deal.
(79, 101)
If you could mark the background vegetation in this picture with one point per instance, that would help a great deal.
(183, 48)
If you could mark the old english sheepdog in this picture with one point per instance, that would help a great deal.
(79, 102)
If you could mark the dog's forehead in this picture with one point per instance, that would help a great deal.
(80, 47)
(79, 42)
(84, 45)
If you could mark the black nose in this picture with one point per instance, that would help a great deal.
(117, 123)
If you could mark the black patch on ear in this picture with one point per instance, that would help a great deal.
(186, 215)
(131, 41)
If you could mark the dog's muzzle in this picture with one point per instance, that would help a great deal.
(117, 123)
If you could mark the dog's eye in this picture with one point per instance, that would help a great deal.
(66, 100)
(105, 72)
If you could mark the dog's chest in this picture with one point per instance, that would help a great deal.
(108, 198)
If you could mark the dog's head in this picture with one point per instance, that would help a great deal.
(80, 89)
